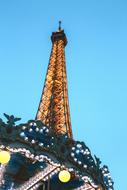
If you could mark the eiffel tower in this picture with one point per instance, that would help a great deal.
(54, 106)
(42, 148)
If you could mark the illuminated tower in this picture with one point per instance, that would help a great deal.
(54, 110)
(41, 150)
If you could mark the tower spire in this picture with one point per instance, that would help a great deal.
(59, 26)
(53, 109)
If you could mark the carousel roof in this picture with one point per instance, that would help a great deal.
(38, 142)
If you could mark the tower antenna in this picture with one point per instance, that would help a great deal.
(59, 26)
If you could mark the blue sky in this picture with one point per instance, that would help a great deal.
(96, 57)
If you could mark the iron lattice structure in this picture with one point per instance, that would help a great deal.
(54, 107)
(42, 147)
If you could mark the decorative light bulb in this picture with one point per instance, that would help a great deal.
(85, 166)
(4, 157)
(79, 162)
(75, 159)
(64, 176)
(41, 130)
(71, 169)
(72, 154)
(37, 129)
(24, 127)
(47, 130)
(73, 148)
(79, 145)
(33, 141)
(26, 138)
(22, 134)
(41, 144)
(30, 130)
(77, 151)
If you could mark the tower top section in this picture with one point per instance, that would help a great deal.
(59, 35)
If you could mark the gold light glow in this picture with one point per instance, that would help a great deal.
(4, 157)
(64, 176)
